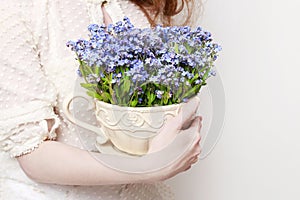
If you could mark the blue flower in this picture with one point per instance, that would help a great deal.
(198, 81)
(140, 100)
(166, 57)
(159, 93)
(79, 72)
(137, 72)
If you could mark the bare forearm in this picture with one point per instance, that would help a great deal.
(58, 163)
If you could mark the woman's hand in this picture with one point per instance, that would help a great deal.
(174, 125)
(189, 157)
(184, 123)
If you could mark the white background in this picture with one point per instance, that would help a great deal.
(258, 155)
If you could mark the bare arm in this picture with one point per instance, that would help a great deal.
(58, 163)
(55, 162)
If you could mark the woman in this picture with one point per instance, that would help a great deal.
(37, 72)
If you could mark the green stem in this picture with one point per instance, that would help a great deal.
(82, 71)
(111, 91)
(134, 92)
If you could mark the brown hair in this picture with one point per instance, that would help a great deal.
(163, 10)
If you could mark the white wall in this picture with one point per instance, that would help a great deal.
(258, 155)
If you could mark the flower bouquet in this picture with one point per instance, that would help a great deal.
(138, 77)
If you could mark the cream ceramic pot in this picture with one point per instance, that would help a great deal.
(130, 129)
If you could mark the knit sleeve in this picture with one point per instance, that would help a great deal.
(27, 97)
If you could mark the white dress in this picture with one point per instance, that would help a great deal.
(37, 72)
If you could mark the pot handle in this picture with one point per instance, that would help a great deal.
(101, 138)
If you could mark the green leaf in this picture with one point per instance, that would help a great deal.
(88, 86)
(206, 74)
(94, 95)
(178, 92)
(126, 85)
(105, 80)
(97, 70)
(118, 93)
(188, 48)
(166, 101)
(106, 96)
(176, 48)
(195, 78)
(202, 69)
(134, 103)
(151, 98)
(193, 91)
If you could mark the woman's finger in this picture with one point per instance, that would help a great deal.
(197, 124)
(189, 167)
(195, 160)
